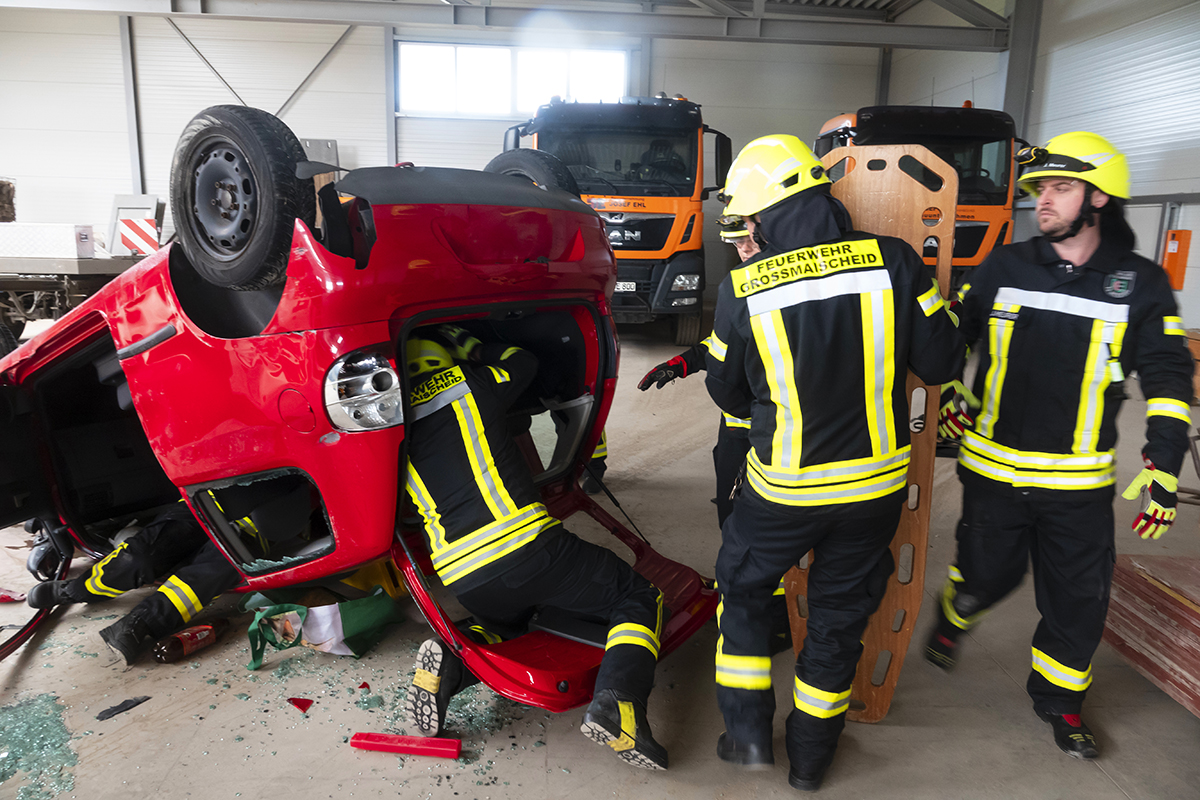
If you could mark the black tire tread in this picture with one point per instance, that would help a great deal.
(8, 342)
(687, 329)
(538, 166)
(293, 197)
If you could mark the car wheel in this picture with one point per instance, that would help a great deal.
(536, 165)
(687, 329)
(235, 196)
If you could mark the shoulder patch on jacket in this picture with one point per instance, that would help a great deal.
(807, 262)
(438, 392)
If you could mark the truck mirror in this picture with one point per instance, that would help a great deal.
(724, 158)
(512, 138)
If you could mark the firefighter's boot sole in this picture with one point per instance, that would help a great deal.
(617, 720)
(433, 684)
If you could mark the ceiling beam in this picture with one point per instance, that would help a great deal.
(899, 7)
(972, 12)
(667, 25)
(717, 7)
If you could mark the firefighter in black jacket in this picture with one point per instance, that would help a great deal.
(1066, 317)
(811, 341)
(496, 547)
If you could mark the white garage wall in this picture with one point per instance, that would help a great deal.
(71, 156)
(264, 63)
(62, 116)
(752, 91)
(943, 78)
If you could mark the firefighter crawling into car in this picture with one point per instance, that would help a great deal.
(495, 545)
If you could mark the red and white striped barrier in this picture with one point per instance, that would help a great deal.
(139, 235)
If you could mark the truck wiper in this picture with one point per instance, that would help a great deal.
(599, 178)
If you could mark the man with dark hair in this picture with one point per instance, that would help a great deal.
(1066, 317)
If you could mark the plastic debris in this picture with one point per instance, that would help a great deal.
(302, 703)
(121, 708)
(365, 685)
(412, 745)
(11, 596)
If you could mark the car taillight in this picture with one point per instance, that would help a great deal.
(362, 392)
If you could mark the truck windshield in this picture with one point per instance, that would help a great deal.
(626, 163)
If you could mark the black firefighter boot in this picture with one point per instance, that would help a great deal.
(129, 636)
(617, 719)
(49, 594)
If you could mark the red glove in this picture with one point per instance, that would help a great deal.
(664, 373)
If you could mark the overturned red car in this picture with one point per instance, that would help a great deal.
(256, 358)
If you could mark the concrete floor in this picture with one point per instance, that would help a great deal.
(213, 729)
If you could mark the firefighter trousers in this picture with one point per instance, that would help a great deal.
(729, 459)
(1069, 539)
(586, 579)
(173, 543)
(846, 581)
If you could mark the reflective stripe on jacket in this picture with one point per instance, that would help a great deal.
(1060, 341)
(813, 345)
(465, 474)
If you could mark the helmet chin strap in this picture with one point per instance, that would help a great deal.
(1086, 217)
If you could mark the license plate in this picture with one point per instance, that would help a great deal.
(626, 286)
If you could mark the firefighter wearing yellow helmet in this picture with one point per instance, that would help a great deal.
(1064, 318)
(812, 340)
(496, 547)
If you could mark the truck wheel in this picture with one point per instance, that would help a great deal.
(14, 324)
(687, 329)
(536, 165)
(8, 342)
(235, 195)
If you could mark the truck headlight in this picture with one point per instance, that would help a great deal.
(362, 392)
(685, 283)
(684, 301)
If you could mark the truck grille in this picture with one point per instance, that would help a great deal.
(638, 231)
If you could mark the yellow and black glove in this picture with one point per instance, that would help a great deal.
(957, 412)
(1160, 512)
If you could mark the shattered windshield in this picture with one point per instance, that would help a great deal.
(627, 162)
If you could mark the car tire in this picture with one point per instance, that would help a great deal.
(235, 196)
(687, 329)
(536, 165)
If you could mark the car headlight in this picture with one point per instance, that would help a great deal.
(362, 392)
(685, 283)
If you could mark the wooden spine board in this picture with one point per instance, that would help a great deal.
(864, 193)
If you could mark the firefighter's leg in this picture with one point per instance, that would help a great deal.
(207, 575)
(729, 457)
(993, 551)
(846, 583)
(760, 542)
(142, 558)
(576, 576)
(1072, 567)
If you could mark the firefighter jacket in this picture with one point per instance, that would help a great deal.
(466, 475)
(1061, 340)
(694, 359)
(811, 341)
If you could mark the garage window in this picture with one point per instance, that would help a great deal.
(481, 82)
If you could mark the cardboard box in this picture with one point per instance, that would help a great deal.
(46, 240)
